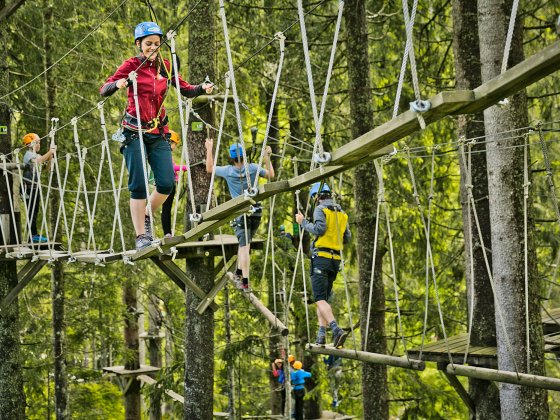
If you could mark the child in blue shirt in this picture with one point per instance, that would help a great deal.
(236, 178)
(298, 377)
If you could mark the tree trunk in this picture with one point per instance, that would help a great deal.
(199, 342)
(12, 398)
(154, 351)
(57, 272)
(374, 377)
(505, 187)
(480, 297)
(230, 362)
(132, 400)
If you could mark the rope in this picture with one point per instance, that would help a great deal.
(235, 96)
(61, 207)
(116, 195)
(6, 240)
(194, 216)
(281, 39)
(509, 36)
(218, 142)
(468, 184)
(133, 76)
(526, 185)
(379, 171)
(486, 262)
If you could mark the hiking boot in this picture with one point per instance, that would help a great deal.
(143, 241)
(39, 239)
(148, 226)
(339, 336)
(321, 340)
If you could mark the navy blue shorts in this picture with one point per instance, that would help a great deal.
(158, 152)
(323, 274)
(253, 223)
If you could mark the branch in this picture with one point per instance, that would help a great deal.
(9, 10)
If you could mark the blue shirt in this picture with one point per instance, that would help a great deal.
(237, 179)
(298, 378)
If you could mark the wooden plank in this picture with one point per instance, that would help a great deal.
(529, 71)
(235, 205)
(151, 381)
(181, 279)
(220, 282)
(24, 278)
(121, 371)
(443, 104)
(363, 356)
(525, 379)
(261, 307)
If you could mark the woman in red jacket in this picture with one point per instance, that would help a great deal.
(154, 77)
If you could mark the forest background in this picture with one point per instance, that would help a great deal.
(41, 32)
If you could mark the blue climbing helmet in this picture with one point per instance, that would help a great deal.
(236, 151)
(145, 29)
(315, 189)
(282, 228)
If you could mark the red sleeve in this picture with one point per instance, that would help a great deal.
(275, 373)
(122, 73)
(188, 90)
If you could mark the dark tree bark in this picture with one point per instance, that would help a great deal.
(374, 377)
(505, 187)
(132, 399)
(199, 330)
(479, 291)
(12, 398)
(154, 351)
(57, 273)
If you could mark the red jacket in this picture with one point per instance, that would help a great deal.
(151, 89)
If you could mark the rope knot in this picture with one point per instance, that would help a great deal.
(420, 105)
(195, 217)
(251, 192)
(74, 121)
(323, 157)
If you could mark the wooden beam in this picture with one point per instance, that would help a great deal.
(363, 356)
(515, 79)
(10, 9)
(25, 276)
(525, 379)
(220, 282)
(261, 307)
(235, 205)
(181, 279)
(458, 386)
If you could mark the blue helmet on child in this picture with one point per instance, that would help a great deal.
(315, 189)
(236, 151)
(145, 29)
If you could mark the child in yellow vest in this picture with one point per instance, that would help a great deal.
(330, 227)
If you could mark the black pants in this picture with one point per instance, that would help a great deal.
(32, 203)
(298, 397)
(166, 212)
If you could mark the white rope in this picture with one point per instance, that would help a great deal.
(27, 206)
(194, 217)
(218, 142)
(235, 96)
(526, 185)
(281, 39)
(379, 171)
(116, 194)
(97, 187)
(133, 76)
(61, 206)
(428, 251)
(4, 238)
(116, 216)
(82, 179)
(509, 36)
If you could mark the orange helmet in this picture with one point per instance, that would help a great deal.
(174, 137)
(297, 365)
(291, 358)
(30, 137)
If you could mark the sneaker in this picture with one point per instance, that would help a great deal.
(339, 337)
(321, 340)
(167, 235)
(39, 239)
(143, 241)
(147, 226)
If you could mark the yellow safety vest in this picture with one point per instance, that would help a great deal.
(330, 243)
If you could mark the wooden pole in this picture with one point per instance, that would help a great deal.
(525, 379)
(261, 307)
(364, 356)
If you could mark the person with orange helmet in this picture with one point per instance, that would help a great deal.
(31, 160)
(298, 377)
(174, 141)
(154, 78)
